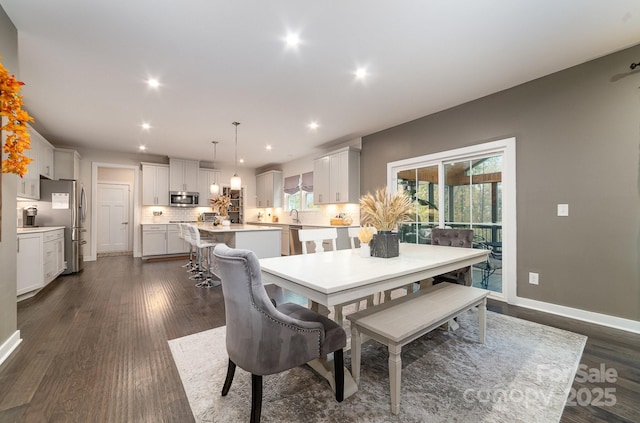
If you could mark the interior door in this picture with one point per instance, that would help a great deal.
(113, 218)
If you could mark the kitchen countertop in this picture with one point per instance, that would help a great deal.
(235, 228)
(38, 229)
(168, 222)
(314, 225)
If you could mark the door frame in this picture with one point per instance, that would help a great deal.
(506, 147)
(130, 211)
(94, 206)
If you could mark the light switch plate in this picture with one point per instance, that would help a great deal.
(563, 210)
(533, 278)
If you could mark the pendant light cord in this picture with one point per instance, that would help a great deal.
(215, 150)
(236, 125)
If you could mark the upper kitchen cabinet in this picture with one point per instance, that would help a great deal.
(205, 178)
(155, 184)
(183, 175)
(336, 177)
(29, 184)
(67, 163)
(44, 153)
(269, 189)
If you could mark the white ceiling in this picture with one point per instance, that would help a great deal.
(85, 64)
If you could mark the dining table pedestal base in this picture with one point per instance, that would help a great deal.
(324, 367)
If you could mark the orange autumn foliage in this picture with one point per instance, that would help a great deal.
(18, 139)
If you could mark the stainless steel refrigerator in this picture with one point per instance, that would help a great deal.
(64, 203)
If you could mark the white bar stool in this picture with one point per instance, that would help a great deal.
(202, 247)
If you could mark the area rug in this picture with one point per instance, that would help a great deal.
(522, 373)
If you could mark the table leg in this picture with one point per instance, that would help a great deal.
(482, 319)
(338, 317)
(395, 376)
(324, 367)
(356, 350)
(318, 308)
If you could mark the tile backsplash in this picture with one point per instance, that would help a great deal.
(171, 213)
(319, 216)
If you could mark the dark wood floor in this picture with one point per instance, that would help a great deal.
(95, 348)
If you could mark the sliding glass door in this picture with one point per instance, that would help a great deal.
(473, 200)
(463, 189)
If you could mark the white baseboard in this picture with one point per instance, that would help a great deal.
(575, 313)
(9, 345)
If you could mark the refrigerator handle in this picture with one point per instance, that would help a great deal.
(83, 204)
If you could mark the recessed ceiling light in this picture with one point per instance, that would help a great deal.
(142, 147)
(268, 147)
(361, 73)
(292, 40)
(313, 125)
(241, 160)
(146, 126)
(153, 83)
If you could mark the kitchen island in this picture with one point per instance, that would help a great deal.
(164, 240)
(265, 241)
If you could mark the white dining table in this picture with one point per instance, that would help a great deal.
(336, 277)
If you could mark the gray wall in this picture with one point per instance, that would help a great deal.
(8, 257)
(577, 139)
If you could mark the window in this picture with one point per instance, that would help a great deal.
(298, 192)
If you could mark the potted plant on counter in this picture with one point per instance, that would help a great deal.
(384, 212)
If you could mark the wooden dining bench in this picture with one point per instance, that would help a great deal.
(404, 319)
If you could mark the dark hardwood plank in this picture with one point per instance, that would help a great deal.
(95, 347)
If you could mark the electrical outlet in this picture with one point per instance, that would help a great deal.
(533, 278)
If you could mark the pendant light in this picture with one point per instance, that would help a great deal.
(236, 183)
(214, 189)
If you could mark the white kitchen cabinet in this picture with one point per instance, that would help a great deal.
(269, 189)
(205, 178)
(29, 184)
(175, 244)
(183, 175)
(162, 239)
(53, 254)
(29, 268)
(155, 184)
(66, 163)
(40, 259)
(336, 177)
(44, 154)
(321, 180)
(154, 240)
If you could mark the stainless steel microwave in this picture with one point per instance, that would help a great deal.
(183, 199)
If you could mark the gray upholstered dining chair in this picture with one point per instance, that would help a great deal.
(453, 238)
(264, 339)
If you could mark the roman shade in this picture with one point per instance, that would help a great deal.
(291, 184)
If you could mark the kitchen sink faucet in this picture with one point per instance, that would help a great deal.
(296, 219)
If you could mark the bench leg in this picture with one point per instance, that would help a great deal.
(482, 319)
(356, 346)
(395, 374)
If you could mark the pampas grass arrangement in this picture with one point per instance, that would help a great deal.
(383, 211)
